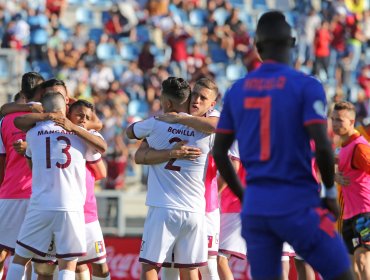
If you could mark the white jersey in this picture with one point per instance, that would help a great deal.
(178, 183)
(58, 167)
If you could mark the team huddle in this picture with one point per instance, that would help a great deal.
(200, 161)
(47, 192)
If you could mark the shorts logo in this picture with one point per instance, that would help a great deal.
(99, 247)
(142, 245)
(210, 241)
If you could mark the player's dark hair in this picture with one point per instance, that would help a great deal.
(17, 96)
(273, 29)
(81, 103)
(207, 83)
(176, 89)
(30, 81)
(345, 105)
(53, 82)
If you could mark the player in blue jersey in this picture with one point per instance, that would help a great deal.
(273, 113)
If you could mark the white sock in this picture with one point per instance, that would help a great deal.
(16, 271)
(66, 275)
(84, 275)
(99, 278)
(210, 272)
(170, 273)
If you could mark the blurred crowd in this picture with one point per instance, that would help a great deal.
(116, 53)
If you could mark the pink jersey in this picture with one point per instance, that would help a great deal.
(211, 193)
(18, 176)
(90, 207)
(229, 201)
(357, 194)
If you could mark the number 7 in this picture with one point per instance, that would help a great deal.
(264, 105)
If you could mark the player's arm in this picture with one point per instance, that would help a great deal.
(94, 141)
(221, 147)
(325, 162)
(148, 155)
(14, 107)
(27, 121)
(361, 158)
(99, 169)
(203, 124)
(221, 183)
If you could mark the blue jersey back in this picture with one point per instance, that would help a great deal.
(267, 111)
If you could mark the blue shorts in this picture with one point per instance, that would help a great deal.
(310, 231)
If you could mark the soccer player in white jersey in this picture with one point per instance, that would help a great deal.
(175, 191)
(58, 194)
(203, 118)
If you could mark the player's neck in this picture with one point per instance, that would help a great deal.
(346, 137)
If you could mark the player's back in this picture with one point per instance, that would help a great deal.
(17, 177)
(274, 103)
(58, 168)
(178, 183)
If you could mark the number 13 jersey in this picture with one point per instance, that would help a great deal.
(58, 167)
(178, 183)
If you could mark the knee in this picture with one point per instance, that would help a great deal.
(44, 269)
(100, 269)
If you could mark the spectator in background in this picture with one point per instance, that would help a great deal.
(79, 38)
(146, 58)
(306, 34)
(364, 80)
(39, 36)
(68, 56)
(101, 76)
(89, 56)
(322, 49)
(241, 40)
(117, 25)
(338, 46)
(56, 7)
(177, 41)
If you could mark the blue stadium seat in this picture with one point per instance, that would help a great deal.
(43, 67)
(84, 15)
(240, 4)
(221, 16)
(218, 54)
(235, 72)
(75, 2)
(118, 68)
(101, 3)
(95, 34)
(198, 17)
(129, 52)
(106, 51)
(143, 33)
(137, 107)
(259, 5)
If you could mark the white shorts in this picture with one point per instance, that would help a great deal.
(40, 228)
(12, 213)
(174, 236)
(95, 245)
(288, 252)
(231, 240)
(213, 231)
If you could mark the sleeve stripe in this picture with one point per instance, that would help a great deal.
(224, 131)
(315, 121)
(27, 157)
